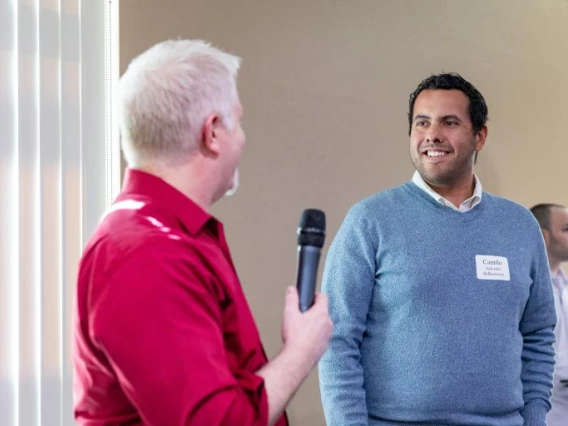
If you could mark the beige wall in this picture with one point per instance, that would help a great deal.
(325, 85)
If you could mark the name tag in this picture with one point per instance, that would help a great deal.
(492, 268)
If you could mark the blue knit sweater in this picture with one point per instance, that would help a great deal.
(427, 328)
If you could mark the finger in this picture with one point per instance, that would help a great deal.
(292, 299)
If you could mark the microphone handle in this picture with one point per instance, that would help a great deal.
(308, 259)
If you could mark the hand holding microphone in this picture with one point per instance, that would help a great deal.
(306, 328)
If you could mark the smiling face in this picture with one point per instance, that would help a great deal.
(442, 140)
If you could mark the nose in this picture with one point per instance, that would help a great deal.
(433, 134)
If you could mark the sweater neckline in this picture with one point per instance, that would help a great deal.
(429, 203)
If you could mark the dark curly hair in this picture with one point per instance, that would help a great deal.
(453, 81)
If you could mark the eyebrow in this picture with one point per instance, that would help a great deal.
(445, 117)
(421, 117)
(451, 116)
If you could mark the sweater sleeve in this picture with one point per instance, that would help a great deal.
(537, 328)
(348, 280)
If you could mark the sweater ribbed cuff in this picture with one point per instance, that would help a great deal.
(534, 413)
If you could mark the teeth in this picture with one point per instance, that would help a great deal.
(435, 153)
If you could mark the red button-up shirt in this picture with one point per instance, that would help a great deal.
(163, 333)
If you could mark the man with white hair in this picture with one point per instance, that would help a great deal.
(553, 221)
(163, 333)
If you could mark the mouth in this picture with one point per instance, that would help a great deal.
(435, 153)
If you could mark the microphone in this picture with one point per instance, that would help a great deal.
(311, 235)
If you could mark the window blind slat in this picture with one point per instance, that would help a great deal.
(29, 229)
(50, 208)
(71, 181)
(9, 291)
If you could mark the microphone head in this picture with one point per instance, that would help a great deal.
(311, 230)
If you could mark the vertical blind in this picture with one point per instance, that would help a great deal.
(59, 168)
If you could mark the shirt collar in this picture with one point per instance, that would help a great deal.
(138, 183)
(466, 205)
(559, 279)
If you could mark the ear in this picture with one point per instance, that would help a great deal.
(480, 138)
(209, 142)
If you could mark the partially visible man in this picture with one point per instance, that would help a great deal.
(439, 292)
(553, 220)
(163, 334)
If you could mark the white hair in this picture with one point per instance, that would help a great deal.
(166, 94)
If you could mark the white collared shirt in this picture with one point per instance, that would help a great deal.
(558, 415)
(465, 206)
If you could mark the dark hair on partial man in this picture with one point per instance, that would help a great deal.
(542, 213)
(453, 81)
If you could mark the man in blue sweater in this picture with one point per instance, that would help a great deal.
(440, 293)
